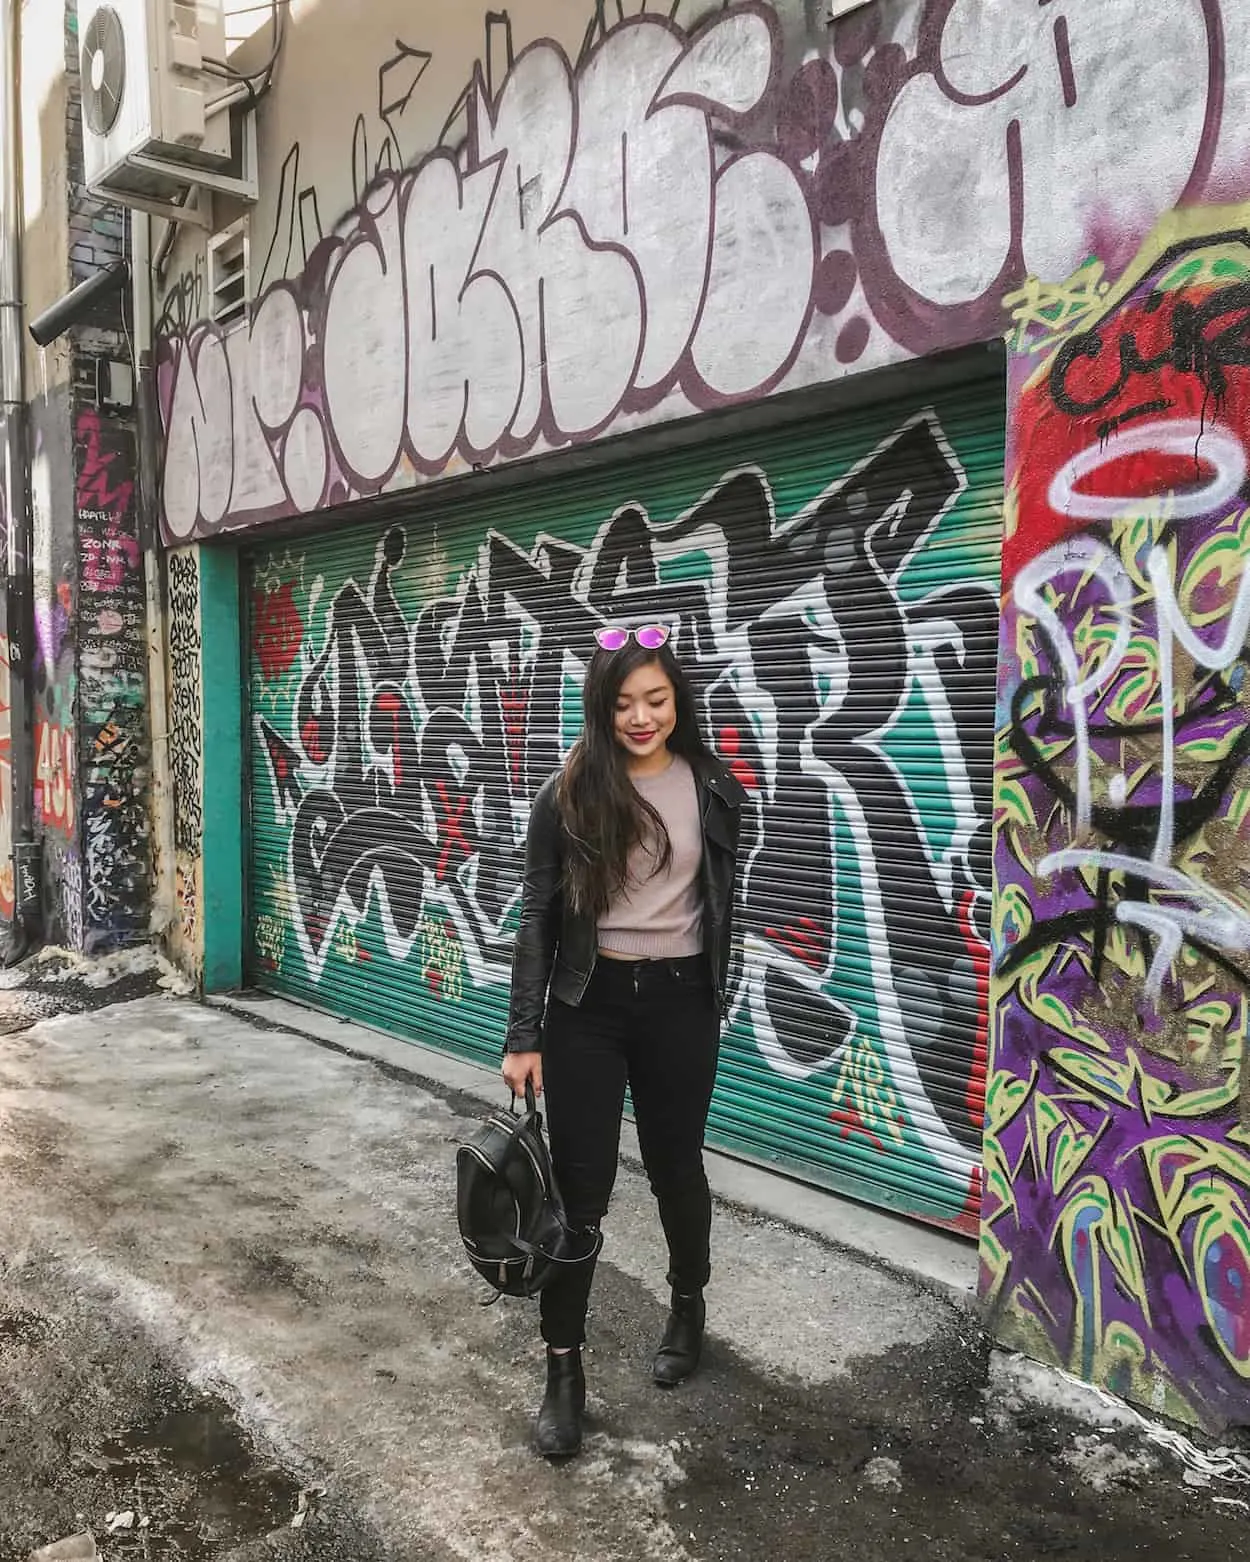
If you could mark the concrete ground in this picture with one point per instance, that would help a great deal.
(235, 1322)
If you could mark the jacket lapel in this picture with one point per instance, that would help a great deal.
(717, 780)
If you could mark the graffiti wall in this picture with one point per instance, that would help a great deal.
(410, 692)
(539, 237)
(1117, 1216)
(186, 751)
(113, 743)
(7, 894)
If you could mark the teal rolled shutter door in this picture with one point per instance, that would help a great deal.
(834, 587)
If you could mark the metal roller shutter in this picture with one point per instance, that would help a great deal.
(835, 592)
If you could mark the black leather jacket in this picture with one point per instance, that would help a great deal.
(556, 950)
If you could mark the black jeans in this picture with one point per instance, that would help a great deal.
(654, 1025)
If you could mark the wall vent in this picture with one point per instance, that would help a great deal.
(229, 278)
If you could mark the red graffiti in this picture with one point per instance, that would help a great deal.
(979, 954)
(729, 742)
(514, 705)
(277, 631)
(1174, 357)
(452, 829)
(101, 493)
(390, 707)
(804, 939)
(95, 490)
(54, 776)
(850, 1122)
(969, 1218)
(310, 737)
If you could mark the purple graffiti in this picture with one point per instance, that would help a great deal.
(1117, 1215)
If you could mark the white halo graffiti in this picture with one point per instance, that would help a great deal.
(1215, 446)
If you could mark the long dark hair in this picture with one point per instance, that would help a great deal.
(602, 813)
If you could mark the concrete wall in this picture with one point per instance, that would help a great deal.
(45, 104)
(45, 183)
(54, 662)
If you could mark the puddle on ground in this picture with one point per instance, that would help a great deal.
(197, 1478)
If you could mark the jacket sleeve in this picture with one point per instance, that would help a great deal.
(541, 901)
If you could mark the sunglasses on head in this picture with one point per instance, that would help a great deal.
(615, 637)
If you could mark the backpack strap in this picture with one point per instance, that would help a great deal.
(500, 1251)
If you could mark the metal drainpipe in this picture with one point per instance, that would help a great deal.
(26, 927)
(161, 796)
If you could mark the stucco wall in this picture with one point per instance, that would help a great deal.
(45, 104)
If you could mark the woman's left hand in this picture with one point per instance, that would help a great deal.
(518, 1067)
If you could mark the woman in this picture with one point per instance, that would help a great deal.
(619, 977)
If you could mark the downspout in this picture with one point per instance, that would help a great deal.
(25, 930)
(161, 792)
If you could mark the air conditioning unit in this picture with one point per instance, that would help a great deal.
(150, 135)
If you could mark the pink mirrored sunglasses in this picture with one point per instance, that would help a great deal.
(615, 637)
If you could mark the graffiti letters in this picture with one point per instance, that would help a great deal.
(269, 937)
(70, 873)
(186, 901)
(103, 499)
(452, 314)
(185, 706)
(54, 776)
(403, 767)
(667, 222)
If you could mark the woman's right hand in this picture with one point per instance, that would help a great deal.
(521, 1066)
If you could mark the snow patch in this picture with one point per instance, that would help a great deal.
(1016, 1383)
(645, 1472)
(98, 971)
(884, 1474)
(1103, 1466)
(187, 1341)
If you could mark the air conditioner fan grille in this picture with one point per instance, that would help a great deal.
(103, 70)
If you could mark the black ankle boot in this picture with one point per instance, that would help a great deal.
(679, 1350)
(559, 1426)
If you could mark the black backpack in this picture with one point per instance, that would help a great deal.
(511, 1216)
